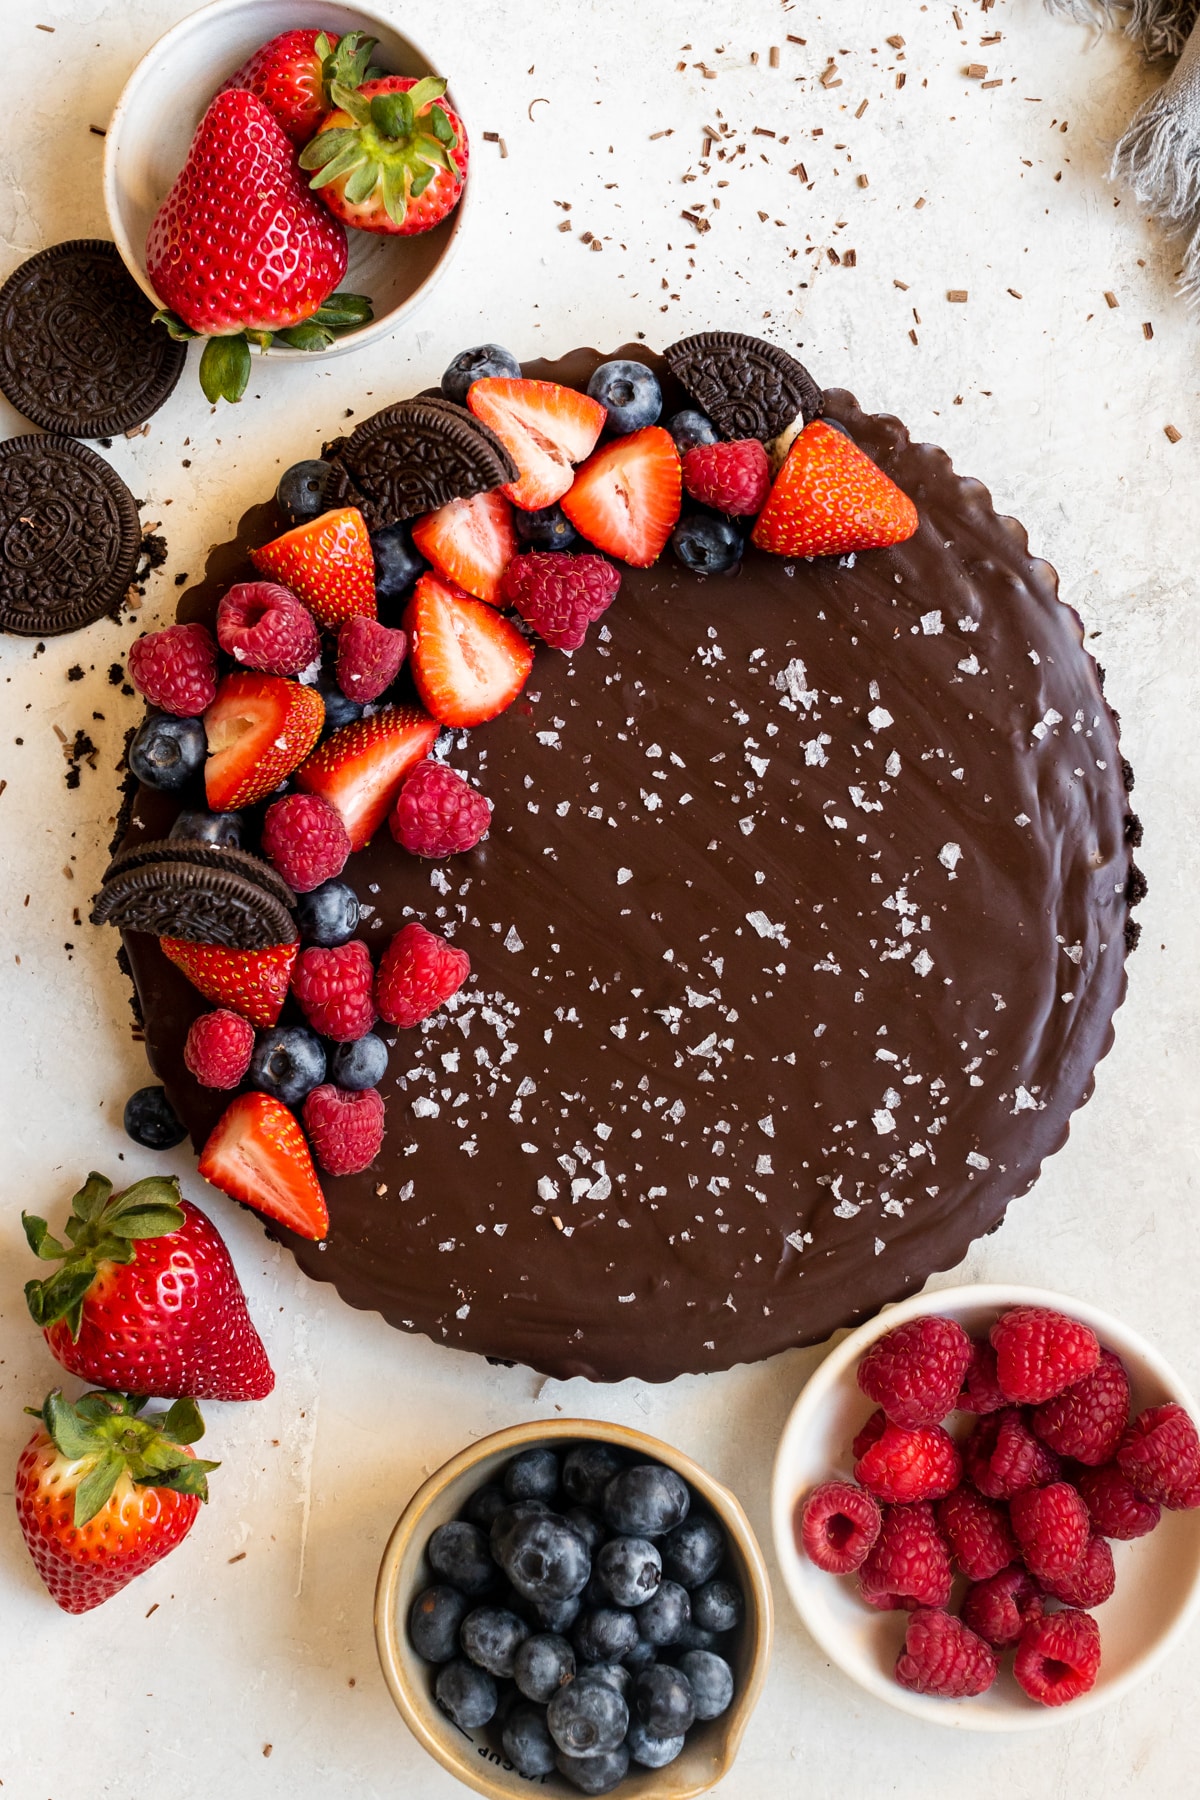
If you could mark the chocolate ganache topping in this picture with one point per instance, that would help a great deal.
(795, 942)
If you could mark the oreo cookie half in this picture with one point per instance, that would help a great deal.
(69, 536)
(203, 856)
(79, 349)
(413, 457)
(747, 387)
(205, 906)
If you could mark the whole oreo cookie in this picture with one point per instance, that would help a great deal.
(206, 906)
(413, 457)
(69, 536)
(748, 388)
(79, 349)
(204, 856)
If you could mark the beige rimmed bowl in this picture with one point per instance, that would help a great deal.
(164, 100)
(710, 1749)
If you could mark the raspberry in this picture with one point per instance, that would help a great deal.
(1040, 1352)
(218, 1048)
(1052, 1527)
(1092, 1582)
(1058, 1657)
(334, 990)
(981, 1391)
(838, 1525)
(1002, 1457)
(345, 1129)
(437, 813)
(305, 839)
(418, 973)
(560, 595)
(998, 1608)
(732, 477)
(903, 1466)
(908, 1565)
(369, 656)
(870, 1433)
(978, 1533)
(916, 1371)
(1117, 1509)
(943, 1656)
(263, 626)
(176, 668)
(1087, 1420)
(1160, 1455)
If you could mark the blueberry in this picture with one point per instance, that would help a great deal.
(693, 1551)
(491, 1638)
(662, 1700)
(604, 1634)
(641, 1656)
(223, 829)
(166, 753)
(527, 1742)
(543, 1663)
(434, 1619)
(630, 1568)
(397, 563)
(630, 393)
(706, 544)
(548, 528)
(338, 710)
(362, 1064)
(587, 1718)
(533, 1475)
(652, 1752)
(717, 1606)
(556, 1615)
(288, 1062)
(646, 1500)
(692, 1637)
(543, 1556)
(466, 1695)
(301, 491)
(459, 1553)
(151, 1121)
(661, 1618)
(485, 1503)
(328, 915)
(711, 1680)
(589, 1525)
(474, 365)
(588, 1469)
(689, 428)
(595, 1774)
(612, 1675)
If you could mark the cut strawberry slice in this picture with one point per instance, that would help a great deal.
(259, 728)
(829, 498)
(257, 1154)
(359, 770)
(544, 427)
(328, 563)
(626, 497)
(468, 662)
(470, 542)
(251, 982)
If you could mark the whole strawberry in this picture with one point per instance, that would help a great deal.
(102, 1495)
(391, 157)
(147, 1298)
(293, 73)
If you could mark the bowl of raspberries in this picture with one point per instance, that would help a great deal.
(578, 1606)
(986, 1507)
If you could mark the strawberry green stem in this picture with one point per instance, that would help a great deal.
(103, 1227)
(225, 362)
(104, 1433)
(398, 142)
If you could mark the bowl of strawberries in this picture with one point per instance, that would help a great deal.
(986, 1507)
(284, 179)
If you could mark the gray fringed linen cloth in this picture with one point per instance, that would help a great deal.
(1159, 154)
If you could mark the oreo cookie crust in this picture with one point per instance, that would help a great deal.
(203, 856)
(413, 457)
(79, 349)
(69, 536)
(748, 388)
(205, 906)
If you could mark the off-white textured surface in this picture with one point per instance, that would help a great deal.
(183, 1683)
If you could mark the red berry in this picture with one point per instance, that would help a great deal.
(437, 813)
(1087, 1420)
(560, 595)
(1002, 1457)
(1091, 1582)
(1052, 1528)
(943, 1656)
(176, 668)
(838, 1524)
(733, 477)
(1058, 1657)
(903, 1466)
(1117, 1509)
(369, 656)
(625, 497)
(978, 1532)
(829, 498)
(1160, 1455)
(1040, 1352)
(218, 1048)
(263, 626)
(334, 988)
(870, 1433)
(303, 836)
(345, 1129)
(916, 1371)
(908, 1565)
(981, 1391)
(998, 1607)
(418, 973)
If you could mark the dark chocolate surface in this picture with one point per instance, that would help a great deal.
(795, 942)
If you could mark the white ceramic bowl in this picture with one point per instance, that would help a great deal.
(1158, 1577)
(165, 98)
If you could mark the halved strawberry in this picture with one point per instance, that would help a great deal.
(257, 1154)
(829, 498)
(359, 770)
(544, 427)
(626, 497)
(468, 662)
(328, 563)
(251, 982)
(470, 542)
(259, 728)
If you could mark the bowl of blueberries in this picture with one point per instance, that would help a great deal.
(577, 1604)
